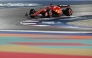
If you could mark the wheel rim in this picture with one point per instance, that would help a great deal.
(70, 11)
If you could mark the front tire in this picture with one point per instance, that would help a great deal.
(26, 14)
(32, 11)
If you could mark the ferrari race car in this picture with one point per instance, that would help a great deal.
(47, 12)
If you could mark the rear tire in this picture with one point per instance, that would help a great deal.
(67, 12)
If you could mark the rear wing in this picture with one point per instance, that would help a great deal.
(63, 6)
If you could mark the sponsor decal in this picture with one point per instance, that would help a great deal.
(18, 4)
(74, 18)
(24, 23)
(51, 22)
(29, 21)
(40, 25)
(59, 22)
(45, 22)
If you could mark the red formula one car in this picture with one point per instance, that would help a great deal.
(51, 11)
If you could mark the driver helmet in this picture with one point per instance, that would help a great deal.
(51, 5)
(68, 6)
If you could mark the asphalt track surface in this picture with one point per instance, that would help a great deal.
(10, 18)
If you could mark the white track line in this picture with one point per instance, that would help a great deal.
(44, 31)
